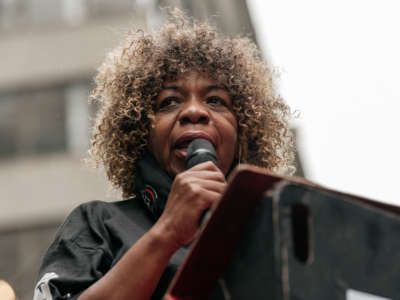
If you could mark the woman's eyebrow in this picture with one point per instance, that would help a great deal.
(216, 87)
(209, 88)
(172, 87)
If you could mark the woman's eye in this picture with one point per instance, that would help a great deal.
(215, 100)
(168, 102)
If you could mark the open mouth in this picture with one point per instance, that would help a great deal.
(183, 142)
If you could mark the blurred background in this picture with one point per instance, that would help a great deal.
(339, 70)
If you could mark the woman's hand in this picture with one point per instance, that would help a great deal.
(192, 192)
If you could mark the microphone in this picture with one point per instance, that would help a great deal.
(199, 151)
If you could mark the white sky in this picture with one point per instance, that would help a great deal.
(340, 64)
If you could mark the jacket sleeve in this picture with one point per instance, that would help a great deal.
(75, 260)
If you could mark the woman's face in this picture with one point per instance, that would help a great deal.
(193, 106)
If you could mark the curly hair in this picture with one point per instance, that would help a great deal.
(132, 76)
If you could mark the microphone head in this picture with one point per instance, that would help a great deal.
(199, 151)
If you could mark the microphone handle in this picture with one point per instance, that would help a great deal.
(200, 151)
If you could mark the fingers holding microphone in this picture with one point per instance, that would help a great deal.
(193, 192)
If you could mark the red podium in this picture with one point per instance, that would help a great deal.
(277, 237)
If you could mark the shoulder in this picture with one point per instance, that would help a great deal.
(97, 220)
(84, 216)
(101, 210)
(132, 210)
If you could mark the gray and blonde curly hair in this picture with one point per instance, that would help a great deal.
(132, 76)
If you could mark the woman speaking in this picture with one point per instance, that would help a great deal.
(157, 94)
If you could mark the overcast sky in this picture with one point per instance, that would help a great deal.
(340, 68)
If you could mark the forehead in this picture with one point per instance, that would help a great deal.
(191, 80)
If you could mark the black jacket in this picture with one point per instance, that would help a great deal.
(97, 234)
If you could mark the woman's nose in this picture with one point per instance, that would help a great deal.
(194, 112)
